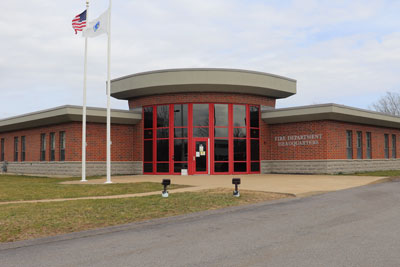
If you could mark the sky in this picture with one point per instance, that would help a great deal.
(344, 52)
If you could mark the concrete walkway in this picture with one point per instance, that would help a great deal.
(298, 185)
(279, 183)
(178, 190)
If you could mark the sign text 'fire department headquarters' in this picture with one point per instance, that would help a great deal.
(298, 140)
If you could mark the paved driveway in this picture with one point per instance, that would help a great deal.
(355, 227)
(281, 183)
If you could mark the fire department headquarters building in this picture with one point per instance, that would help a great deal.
(203, 121)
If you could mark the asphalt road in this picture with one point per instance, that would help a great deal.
(355, 227)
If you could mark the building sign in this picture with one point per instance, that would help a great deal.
(298, 140)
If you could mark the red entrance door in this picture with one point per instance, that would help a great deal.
(200, 156)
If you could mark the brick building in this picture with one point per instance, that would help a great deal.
(203, 121)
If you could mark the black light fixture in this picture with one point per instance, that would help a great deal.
(236, 182)
(165, 183)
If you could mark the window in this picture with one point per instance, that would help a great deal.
(386, 151)
(349, 144)
(2, 149)
(15, 148)
(162, 139)
(221, 134)
(394, 154)
(148, 139)
(359, 145)
(173, 134)
(52, 146)
(23, 148)
(181, 148)
(200, 120)
(369, 145)
(62, 146)
(42, 147)
(255, 138)
(239, 138)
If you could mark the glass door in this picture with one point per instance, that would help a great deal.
(201, 156)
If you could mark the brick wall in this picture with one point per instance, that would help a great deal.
(336, 134)
(331, 145)
(32, 141)
(265, 143)
(286, 150)
(122, 137)
(201, 98)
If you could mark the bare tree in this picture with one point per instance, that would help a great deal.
(389, 104)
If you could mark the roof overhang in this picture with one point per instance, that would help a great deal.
(202, 80)
(330, 112)
(65, 114)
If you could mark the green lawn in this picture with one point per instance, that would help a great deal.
(392, 173)
(26, 221)
(14, 188)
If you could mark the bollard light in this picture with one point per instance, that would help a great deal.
(236, 182)
(165, 183)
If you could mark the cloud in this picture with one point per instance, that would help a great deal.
(338, 51)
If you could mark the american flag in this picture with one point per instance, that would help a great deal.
(79, 22)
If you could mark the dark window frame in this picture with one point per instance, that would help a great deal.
(359, 145)
(349, 144)
(62, 144)
(394, 146)
(2, 149)
(369, 145)
(52, 148)
(16, 143)
(23, 147)
(42, 147)
(386, 146)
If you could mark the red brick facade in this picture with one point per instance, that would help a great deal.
(201, 98)
(127, 143)
(278, 149)
(122, 137)
(314, 140)
(323, 140)
(32, 151)
(336, 139)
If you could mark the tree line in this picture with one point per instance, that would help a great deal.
(389, 104)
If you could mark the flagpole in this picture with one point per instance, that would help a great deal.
(108, 99)
(84, 103)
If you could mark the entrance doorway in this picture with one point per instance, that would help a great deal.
(202, 138)
(200, 156)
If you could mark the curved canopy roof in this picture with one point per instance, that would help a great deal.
(202, 80)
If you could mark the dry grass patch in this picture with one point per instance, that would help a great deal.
(26, 221)
(15, 188)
